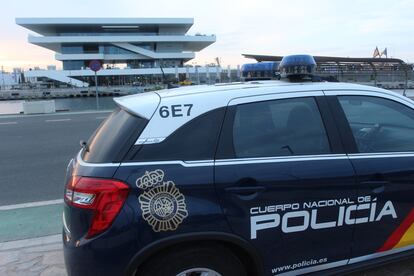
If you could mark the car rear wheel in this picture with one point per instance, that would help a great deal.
(197, 260)
(199, 271)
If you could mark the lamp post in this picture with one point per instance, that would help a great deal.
(2, 76)
(95, 65)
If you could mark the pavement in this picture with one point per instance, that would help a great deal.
(33, 257)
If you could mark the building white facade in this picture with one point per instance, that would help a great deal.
(145, 46)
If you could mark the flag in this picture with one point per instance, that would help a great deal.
(385, 53)
(376, 52)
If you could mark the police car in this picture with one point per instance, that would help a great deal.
(258, 178)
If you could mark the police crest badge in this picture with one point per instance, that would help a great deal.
(162, 204)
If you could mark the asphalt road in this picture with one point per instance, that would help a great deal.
(35, 150)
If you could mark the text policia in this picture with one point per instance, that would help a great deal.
(267, 217)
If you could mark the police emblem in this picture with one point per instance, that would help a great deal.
(150, 179)
(162, 204)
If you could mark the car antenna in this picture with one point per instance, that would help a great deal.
(162, 71)
(168, 83)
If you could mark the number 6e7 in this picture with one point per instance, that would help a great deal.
(175, 110)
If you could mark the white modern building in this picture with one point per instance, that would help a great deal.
(142, 46)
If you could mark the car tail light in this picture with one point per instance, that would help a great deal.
(105, 197)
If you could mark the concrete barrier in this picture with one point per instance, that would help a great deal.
(38, 107)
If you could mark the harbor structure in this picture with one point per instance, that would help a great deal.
(389, 73)
(10, 79)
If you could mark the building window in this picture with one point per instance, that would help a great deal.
(73, 64)
(72, 49)
(91, 48)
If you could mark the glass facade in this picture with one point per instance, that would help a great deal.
(114, 50)
(108, 49)
(134, 64)
(72, 49)
(93, 49)
(114, 53)
(73, 64)
(148, 46)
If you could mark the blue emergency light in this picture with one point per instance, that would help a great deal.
(297, 67)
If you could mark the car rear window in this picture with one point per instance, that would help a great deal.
(195, 140)
(114, 137)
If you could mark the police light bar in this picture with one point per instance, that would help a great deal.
(297, 67)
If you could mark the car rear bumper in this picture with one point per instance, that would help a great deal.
(96, 257)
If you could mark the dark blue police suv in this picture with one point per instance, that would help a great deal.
(256, 178)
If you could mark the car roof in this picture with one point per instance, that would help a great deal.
(204, 98)
(279, 87)
(145, 104)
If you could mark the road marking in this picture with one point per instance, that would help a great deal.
(100, 118)
(58, 114)
(8, 123)
(30, 204)
(59, 120)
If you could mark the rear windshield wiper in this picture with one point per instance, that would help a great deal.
(84, 145)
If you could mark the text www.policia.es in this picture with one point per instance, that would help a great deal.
(298, 265)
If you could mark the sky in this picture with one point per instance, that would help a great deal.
(346, 28)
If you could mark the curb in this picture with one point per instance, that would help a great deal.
(11, 245)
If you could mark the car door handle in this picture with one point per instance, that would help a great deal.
(377, 186)
(245, 190)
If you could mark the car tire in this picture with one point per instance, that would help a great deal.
(192, 260)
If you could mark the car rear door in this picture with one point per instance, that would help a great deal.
(379, 130)
(172, 184)
(284, 181)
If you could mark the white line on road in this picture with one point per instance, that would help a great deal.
(30, 204)
(54, 114)
(100, 118)
(59, 120)
(8, 123)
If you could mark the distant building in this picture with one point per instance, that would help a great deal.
(8, 80)
(145, 47)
